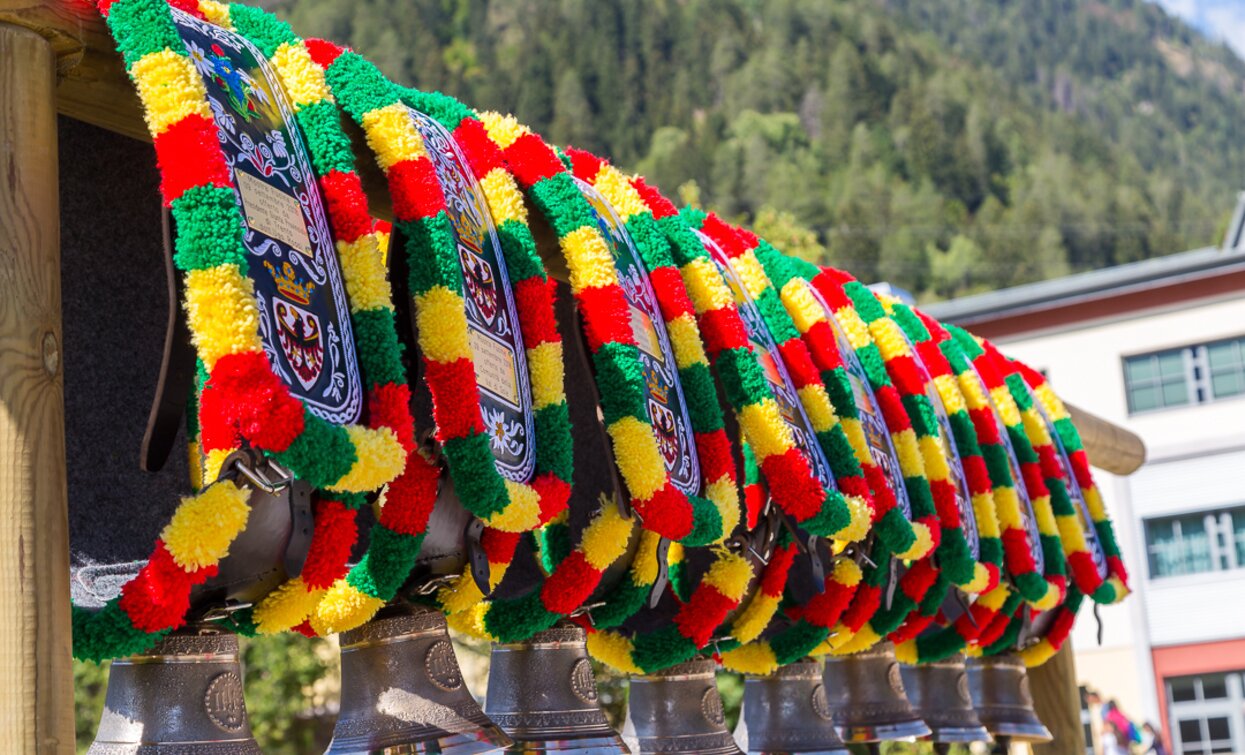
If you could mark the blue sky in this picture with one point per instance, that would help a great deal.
(1219, 19)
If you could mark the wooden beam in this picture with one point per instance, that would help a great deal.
(1108, 445)
(1057, 701)
(36, 701)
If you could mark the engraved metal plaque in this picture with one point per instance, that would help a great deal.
(492, 320)
(303, 313)
(667, 408)
(775, 369)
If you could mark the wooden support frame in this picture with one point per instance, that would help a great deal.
(36, 702)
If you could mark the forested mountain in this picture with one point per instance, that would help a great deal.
(944, 145)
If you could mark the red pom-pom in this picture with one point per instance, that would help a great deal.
(892, 408)
(534, 298)
(722, 329)
(657, 204)
(346, 204)
(570, 584)
(531, 160)
(188, 154)
(324, 53)
(702, 614)
(456, 398)
(410, 498)
(823, 346)
(605, 316)
(863, 606)
(414, 188)
(482, 154)
(799, 364)
(792, 485)
(389, 406)
(584, 165)
(667, 512)
(671, 294)
(554, 494)
(335, 533)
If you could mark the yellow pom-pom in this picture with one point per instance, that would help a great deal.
(170, 89)
(544, 363)
(637, 456)
(755, 618)
(861, 519)
(343, 608)
(765, 429)
(1036, 655)
(505, 201)
(730, 574)
(363, 269)
(222, 313)
(614, 650)
(504, 130)
(619, 192)
(905, 652)
(381, 458)
(286, 607)
(921, 548)
(441, 317)
(303, 79)
(847, 572)
(705, 286)
(606, 537)
(589, 259)
(753, 658)
(523, 512)
(392, 135)
(204, 526)
(862, 640)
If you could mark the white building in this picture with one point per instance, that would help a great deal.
(1158, 347)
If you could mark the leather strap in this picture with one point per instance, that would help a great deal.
(177, 369)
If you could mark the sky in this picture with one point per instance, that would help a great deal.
(1218, 19)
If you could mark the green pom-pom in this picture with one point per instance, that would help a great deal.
(209, 229)
(517, 619)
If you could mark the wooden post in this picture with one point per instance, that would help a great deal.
(1057, 700)
(36, 700)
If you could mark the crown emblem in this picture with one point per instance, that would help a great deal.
(657, 389)
(288, 284)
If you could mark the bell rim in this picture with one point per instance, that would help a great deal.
(863, 733)
(1019, 732)
(960, 734)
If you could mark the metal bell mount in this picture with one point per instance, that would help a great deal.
(999, 685)
(543, 694)
(866, 696)
(940, 695)
(184, 696)
(787, 712)
(678, 710)
(402, 690)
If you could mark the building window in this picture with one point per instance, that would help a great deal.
(1207, 713)
(1191, 375)
(1195, 543)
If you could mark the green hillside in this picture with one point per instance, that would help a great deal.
(944, 145)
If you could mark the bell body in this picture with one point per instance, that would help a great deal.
(183, 696)
(866, 696)
(678, 710)
(402, 691)
(939, 693)
(1000, 689)
(787, 712)
(543, 694)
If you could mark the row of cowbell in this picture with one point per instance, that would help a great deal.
(403, 692)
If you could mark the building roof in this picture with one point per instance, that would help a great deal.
(1133, 286)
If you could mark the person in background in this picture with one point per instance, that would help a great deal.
(1152, 740)
(1114, 742)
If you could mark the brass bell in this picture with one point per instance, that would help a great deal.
(183, 695)
(542, 693)
(866, 696)
(678, 710)
(999, 685)
(787, 711)
(402, 690)
(939, 693)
